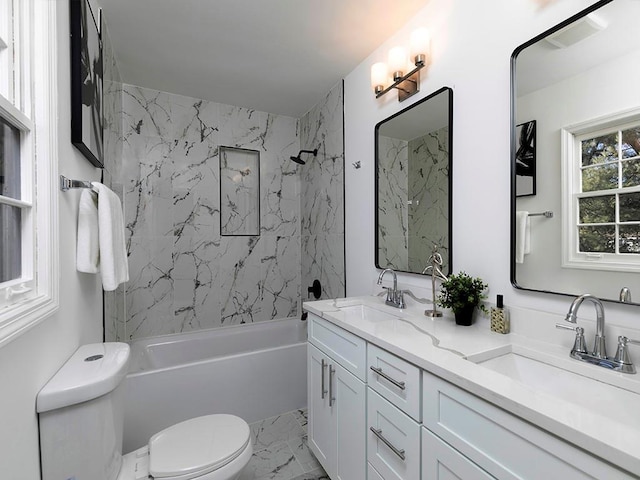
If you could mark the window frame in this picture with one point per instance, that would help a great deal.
(571, 137)
(34, 111)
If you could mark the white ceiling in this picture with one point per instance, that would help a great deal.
(278, 56)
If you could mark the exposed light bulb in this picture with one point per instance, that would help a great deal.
(420, 45)
(379, 76)
(397, 62)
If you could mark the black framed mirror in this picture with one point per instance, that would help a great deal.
(578, 231)
(413, 184)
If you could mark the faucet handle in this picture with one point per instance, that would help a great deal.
(622, 354)
(400, 299)
(579, 345)
(389, 293)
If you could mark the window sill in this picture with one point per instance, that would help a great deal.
(18, 319)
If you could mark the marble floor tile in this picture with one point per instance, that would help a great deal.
(301, 416)
(318, 474)
(276, 462)
(280, 450)
(280, 428)
(303, 455)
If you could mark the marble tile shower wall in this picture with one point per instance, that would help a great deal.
(183, 274)
(393, 159)
(428, 186)
(114, 302)
(322, 195)
(413, 200)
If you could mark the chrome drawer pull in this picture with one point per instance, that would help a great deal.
(331, 397)
(322, 389)
(378, 433)
(379, 371)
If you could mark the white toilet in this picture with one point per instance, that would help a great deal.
(81, 420)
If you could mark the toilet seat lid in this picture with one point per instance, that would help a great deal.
(197, 446)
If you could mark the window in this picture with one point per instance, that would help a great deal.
(27, 105)
(603, 188)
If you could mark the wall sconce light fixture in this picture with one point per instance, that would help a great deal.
(405, 76)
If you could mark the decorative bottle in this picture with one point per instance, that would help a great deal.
(499, 317)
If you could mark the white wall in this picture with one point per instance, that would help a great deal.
(471, 47)
(29, 361)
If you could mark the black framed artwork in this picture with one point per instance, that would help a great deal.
(86, 82)
(526, 159)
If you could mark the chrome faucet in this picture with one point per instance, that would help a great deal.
(620, 363)
(599, 347)
(395, 297)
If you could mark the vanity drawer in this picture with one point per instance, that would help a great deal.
(393, 442)
(501, 443)
(395, 379)
(344, 347)
(440, 461)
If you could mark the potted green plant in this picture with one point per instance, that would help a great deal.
(462, 294)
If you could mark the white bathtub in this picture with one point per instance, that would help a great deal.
(254, 371)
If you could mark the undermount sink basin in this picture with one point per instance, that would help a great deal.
(612, 401)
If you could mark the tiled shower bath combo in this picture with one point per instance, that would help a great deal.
(186, 275)
(189, 274)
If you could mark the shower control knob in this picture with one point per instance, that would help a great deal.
(315, 289)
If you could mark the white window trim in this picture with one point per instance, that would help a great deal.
(19, 318)
(571, 258)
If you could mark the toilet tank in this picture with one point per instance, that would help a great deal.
(80, 414)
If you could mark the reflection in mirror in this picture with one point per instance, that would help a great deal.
(578, 83)
(413, 184)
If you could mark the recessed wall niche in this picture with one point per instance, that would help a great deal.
(239, 192)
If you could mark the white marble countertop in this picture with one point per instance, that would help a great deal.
(611, 432)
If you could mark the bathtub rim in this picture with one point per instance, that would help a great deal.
(138, 346)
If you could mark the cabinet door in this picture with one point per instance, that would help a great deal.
(441, 462)
(321, 423)
(350, 414)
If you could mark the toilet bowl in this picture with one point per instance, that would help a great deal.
(81, 420)
(214, 447)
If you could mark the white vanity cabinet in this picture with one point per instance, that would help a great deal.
(501, 444)
(374, 415)
(337, 400)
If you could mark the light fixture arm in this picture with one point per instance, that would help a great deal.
(406, 85)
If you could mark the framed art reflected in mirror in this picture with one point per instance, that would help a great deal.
(526, 159)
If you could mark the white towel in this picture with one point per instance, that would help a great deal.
(114, 268)
(523, 235)
(101, 245)
(88, 249)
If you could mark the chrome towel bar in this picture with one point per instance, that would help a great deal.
(67, 183)
(547, 214)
